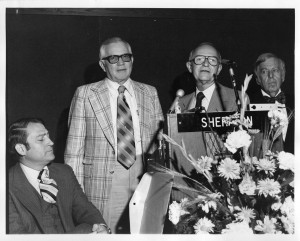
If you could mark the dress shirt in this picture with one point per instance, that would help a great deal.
(32, 176)
(281, 107)
(131, 100)
(207, 93)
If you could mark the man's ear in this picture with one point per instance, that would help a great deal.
(257, 81)
(102, 65)
(219, 69)
(21, 149)
(189, 66)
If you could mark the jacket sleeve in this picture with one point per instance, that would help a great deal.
(74, 152)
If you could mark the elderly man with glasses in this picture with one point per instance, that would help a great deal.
(205, 65)
(113, 126)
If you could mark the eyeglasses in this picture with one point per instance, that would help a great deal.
(113, 59)
(200, 59)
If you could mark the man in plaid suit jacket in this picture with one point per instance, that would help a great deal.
(91, 148)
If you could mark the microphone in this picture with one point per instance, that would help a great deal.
(179, 94)
(228, 62)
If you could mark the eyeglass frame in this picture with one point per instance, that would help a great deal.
(119, 56)
(205, 58)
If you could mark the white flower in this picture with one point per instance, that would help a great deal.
(209, 203)
(275, 206)
(237, 139)
(229, 169)
(288, 224)
(268, 226)
(246, 214)
(240, 227)
(268, 187)
(203, 164)
(204, 225)
(277, 117)
(247, 186)
(287, 207)
(286, 160)
(268, 166)
(176, 211)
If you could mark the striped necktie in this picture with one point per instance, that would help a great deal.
(125, 134)
(48, 187)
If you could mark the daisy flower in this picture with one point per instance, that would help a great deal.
(286, 160)
(204, 225)
(203, 164)
(239, 227)
(176, 211)
(247, 186)
(237, 139)
(268, 166)
(268, 187)
(229, 169)
(246, 214)
(268, 226)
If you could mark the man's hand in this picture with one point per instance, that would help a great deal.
(100, 228)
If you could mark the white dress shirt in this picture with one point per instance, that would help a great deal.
(32, 176)
(131, 100)
(205, 101)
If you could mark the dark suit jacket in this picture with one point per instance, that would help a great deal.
(76, 212)
(223, 99)
(256, 97)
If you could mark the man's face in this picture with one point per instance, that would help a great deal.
(40, 151)
(120, 71)
(270, 76)
(204, 73)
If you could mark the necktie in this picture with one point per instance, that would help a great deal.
(279, 98)
(125, 134)
(48, 187)
(200, 97)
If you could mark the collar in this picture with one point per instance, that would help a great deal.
(265, 94)
(207, 92)
(114, 85)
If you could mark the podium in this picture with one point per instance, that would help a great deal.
(197, 131)
(149, 203)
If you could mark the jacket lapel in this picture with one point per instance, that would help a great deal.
(25, 193)
(101, 106)
(141, 104)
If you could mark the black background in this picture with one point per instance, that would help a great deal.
(50, 52)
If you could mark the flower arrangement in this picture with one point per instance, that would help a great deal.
(241, 194)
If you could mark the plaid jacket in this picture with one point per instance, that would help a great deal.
(90, 143)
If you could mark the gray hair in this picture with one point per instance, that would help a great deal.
(263, 57)
(110, 41)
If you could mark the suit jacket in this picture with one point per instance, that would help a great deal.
(90, 148)
(256, 97)
(76, 212)
(223, 99)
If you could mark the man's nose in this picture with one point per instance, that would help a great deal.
(120, 61)
(270, 74)
(50, 142)
(206, 63)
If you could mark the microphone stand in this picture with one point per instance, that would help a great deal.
(237, 98)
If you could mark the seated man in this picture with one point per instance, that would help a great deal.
(270, 75)
(45, 197)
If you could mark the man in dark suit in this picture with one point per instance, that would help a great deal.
(205, 65)
(270, 75)
(45, 197)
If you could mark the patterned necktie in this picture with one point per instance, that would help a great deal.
(48, 187)
(279, 98)
(125, 134)
(200, 97)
